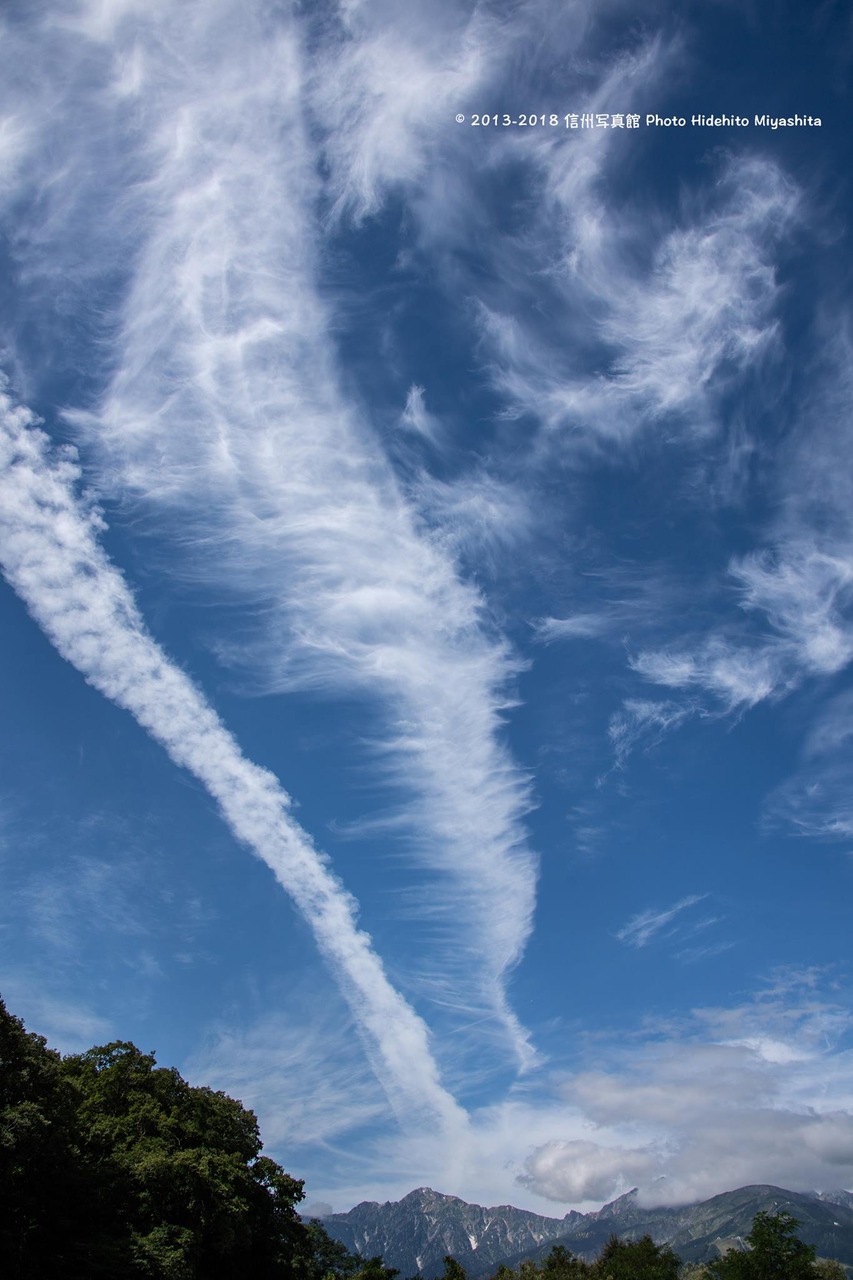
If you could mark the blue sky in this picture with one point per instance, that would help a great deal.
(428, 570)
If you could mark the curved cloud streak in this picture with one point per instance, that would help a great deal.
(51, 556)
(223, 416)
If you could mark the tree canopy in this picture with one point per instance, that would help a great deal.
(774, 1253)
(111, 1166)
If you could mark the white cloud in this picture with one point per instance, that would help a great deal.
(580, 1170)
(816, 802)
(385, 90)
(757, 1092)
(641, 928)
(803, 591)
(642, 719)
(799, 586)
(739, 676)
(678, 333)
(708, 301)
(224, 425)
(51, 556)
(578, 626)
(416, 417)
(66, 1023)
(749, 1094)
(305, 1076)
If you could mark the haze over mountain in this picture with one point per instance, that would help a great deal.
(416, 1233)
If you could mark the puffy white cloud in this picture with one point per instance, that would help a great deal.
(746, 1094)
(571, 1172)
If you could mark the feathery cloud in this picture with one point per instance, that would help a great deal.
(51, 556)
(641, 928)
(222, 421)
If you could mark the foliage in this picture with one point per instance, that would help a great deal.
(829, 1269)
(453, 1270)
(618, 1260)
(775, 1253)
(328, 1259)
(561, 1264)
(113, 1167)
(635, 1260)
(49, 1200)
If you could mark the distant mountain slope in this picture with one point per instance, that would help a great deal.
(699, 1231)
(414, 1234)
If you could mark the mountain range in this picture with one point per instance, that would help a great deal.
(416, 1233)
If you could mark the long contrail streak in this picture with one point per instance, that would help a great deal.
(51, 556)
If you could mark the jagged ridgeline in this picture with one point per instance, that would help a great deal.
(416, 1233)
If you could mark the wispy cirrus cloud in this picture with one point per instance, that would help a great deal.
(51, 556)
(794, 593)
(738, 675)
(68, 1023)
(223, 421)
(816, 802)
(578, 626)
(757, 1090)
(661, 345)
(646, 925)
(305, 1075)
(643, 720)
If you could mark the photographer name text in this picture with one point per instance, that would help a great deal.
(632, 120)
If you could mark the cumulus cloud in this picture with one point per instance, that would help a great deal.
(745, 1094)
(570, 1172)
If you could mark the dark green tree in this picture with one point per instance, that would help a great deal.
(453, 1270)
(42, 1191)
(561, 1264)
(375, 1269)
(775, 1253)
(183, 1184)
(112, 1168)
(327, 1259)
(635, 1260)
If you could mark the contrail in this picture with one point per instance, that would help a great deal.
(51, 556)
(174, 143)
